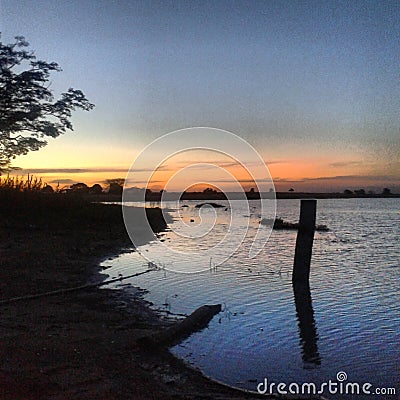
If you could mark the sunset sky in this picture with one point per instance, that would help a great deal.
(314, 86)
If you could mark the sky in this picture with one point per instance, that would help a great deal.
(313, 85)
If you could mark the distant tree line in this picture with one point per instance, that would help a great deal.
(362, 192)
(113, 186)
(32, 184)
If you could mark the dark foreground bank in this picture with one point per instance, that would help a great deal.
(83, 344)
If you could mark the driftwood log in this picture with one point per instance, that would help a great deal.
(196, 321)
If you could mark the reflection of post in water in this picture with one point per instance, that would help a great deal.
(306, 323)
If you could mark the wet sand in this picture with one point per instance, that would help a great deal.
(80, 345)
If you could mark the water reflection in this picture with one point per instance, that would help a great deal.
(367, 326)
(306, 323)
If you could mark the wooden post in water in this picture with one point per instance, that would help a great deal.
(304, 241)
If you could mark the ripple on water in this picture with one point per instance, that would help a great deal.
(354, 323)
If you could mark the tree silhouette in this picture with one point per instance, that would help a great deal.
(28, 111)
(115, 186)
(80, 188)
(96, 189)
(117, 181)
(360, 192)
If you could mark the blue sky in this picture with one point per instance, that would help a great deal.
(308, 82)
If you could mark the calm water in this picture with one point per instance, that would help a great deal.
(350, 323)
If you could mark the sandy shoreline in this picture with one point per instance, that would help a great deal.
(81, 344)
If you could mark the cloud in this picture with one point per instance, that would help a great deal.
(62, 181)
(285, 180)
(70, 170)
(342, 164)
(277, 162)
(206, 164)
(372, 178)
(343, 178)
(140, 182)
(227, 164)
(160, 168)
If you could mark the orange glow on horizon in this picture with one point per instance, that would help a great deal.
(302, 175)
